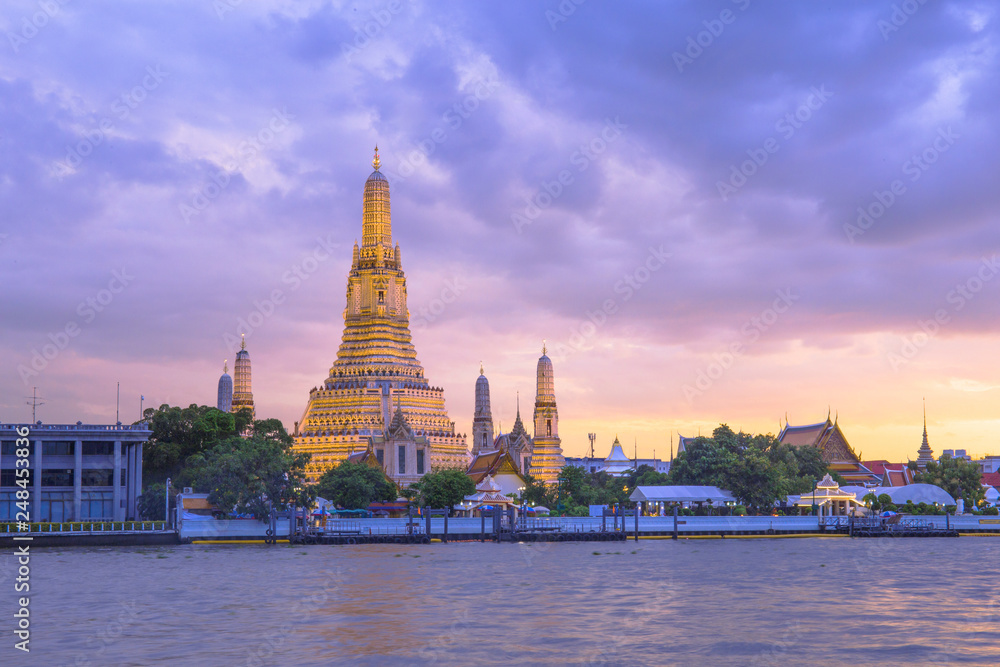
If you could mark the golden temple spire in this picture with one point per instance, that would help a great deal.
(376, 162)
(225, 366)
(243, 345)
(544, 348)
(481, 368)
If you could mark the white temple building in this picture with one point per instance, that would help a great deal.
(617, 463)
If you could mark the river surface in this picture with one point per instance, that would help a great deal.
(814, 601)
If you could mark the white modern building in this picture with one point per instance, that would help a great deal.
(78, 472)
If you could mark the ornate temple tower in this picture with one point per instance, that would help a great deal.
(242, 389)
(482, 421)
(376, 367)
(225, 402)
(925, 454)
(547, 457)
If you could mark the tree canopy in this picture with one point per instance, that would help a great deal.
(960, 478)
(355, 486)
(444, 488)
(250, 475)
(179, 433)
(757, 469)
(242, 464)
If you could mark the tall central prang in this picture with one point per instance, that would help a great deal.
(376, 395)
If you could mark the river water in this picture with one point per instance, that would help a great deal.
(810, 601)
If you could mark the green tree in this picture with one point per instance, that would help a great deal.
(757, 469)
(445, 488)
(355, 486)
(180, 433)
(151, 505)
(704, 462)
(960, 478)
(250, 475)
(535, 492)
(755, 481)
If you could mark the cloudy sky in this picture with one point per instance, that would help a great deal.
(712, 211)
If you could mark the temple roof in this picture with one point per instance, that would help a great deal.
(617, 455)
(800, 436)
(492, 463)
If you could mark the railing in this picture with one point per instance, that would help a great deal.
(142, 426)
(87, 527)
(836, 521)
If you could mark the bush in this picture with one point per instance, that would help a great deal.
(991, 511)
(739, 510)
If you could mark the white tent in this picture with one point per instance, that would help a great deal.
(918, 493)
(681, 494)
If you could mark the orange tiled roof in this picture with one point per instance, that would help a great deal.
(492, 463)
(877, 467)
(801, 436)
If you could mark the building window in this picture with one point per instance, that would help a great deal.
(381, 296)
(8, 506)
(380, 455)
(57, 506)
(57, 477)
(548, 427)
(8, 476)
(97, 477)
(402, 460)
(96, 505)
(7, 448)
(98, 448)
(58, 448)
(420, 462)
(484, 440)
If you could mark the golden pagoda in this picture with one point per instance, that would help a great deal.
(546, 455)
(242, 385)
(376, 392)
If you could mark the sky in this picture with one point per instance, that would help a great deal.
(711, 212)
